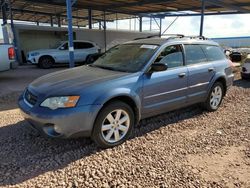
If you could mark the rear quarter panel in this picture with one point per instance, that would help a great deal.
(222, 70)
(4, 57)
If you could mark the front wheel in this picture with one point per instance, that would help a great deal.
(46, 62)
(113, 125)
(215, 97)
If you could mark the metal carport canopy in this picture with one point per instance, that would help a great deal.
(84, 12)
(45, 11)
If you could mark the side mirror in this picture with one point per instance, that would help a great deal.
(62, 48)
(158, 67)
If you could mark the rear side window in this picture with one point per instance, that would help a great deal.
(83, 45)
(194, 54)
(213, 53)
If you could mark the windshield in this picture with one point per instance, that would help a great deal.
(126, 58)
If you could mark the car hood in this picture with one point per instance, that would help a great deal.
(73, 81)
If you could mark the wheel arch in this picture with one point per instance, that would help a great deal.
(129, 101)
(222, 80)
(49, 56)
(218, 78)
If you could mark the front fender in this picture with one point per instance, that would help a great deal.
(119, 92)
(122, 92)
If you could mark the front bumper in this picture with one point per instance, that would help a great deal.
(31, 60)
(61, 123)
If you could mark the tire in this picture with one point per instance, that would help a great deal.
(244, 77)
(46, 62)
(215, 97)
(108, 132)
(90, 59)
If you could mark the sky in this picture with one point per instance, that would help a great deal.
(214, 26)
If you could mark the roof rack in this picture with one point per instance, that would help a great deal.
(154, 36)
(189, 37)
(197, 37)
(174, 36)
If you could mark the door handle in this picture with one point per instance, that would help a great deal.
(182, 75)
(210, 69)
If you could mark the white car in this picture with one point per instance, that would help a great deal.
(7, 57)
(83, 51)
(245, 72)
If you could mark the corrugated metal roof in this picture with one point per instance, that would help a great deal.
(43, 10)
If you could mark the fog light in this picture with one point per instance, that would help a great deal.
(49, 129)
(57, 129)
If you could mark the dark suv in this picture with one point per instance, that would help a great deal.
(132, 81)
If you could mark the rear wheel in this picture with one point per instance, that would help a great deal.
(215, 97)
(90, 59)
(113, 125)
(46, 62)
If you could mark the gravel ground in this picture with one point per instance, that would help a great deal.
(185, 148)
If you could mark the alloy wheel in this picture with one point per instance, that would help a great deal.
(216, 97)
(115, 126)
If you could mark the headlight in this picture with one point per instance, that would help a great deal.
(35, 54)
(60, 102)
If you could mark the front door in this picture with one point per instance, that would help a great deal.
(167, 90)
(62, 55)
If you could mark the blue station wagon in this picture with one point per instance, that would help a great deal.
(130, 82)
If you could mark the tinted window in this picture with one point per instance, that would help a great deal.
(83, 45)
(213, 53)
(172, 56)
(127, 57)
(194, 54)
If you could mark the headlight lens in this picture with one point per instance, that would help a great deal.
(35, 54)
(60, 102)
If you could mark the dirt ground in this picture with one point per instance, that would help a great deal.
(185, 148)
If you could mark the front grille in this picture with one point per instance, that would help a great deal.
(30, 98)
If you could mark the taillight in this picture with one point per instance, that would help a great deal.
(11, 52)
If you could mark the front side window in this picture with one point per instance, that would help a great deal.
(172, 56)
(194, 54)
(213, 53)
(127, 57)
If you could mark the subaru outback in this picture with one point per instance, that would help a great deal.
(130, 82)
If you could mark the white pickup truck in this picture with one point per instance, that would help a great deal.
(45, 58)
(7, 57)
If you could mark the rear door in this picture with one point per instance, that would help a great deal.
(83, 49)
(167, 90)
(201, 71)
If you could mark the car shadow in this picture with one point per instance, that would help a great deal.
(25, 154)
